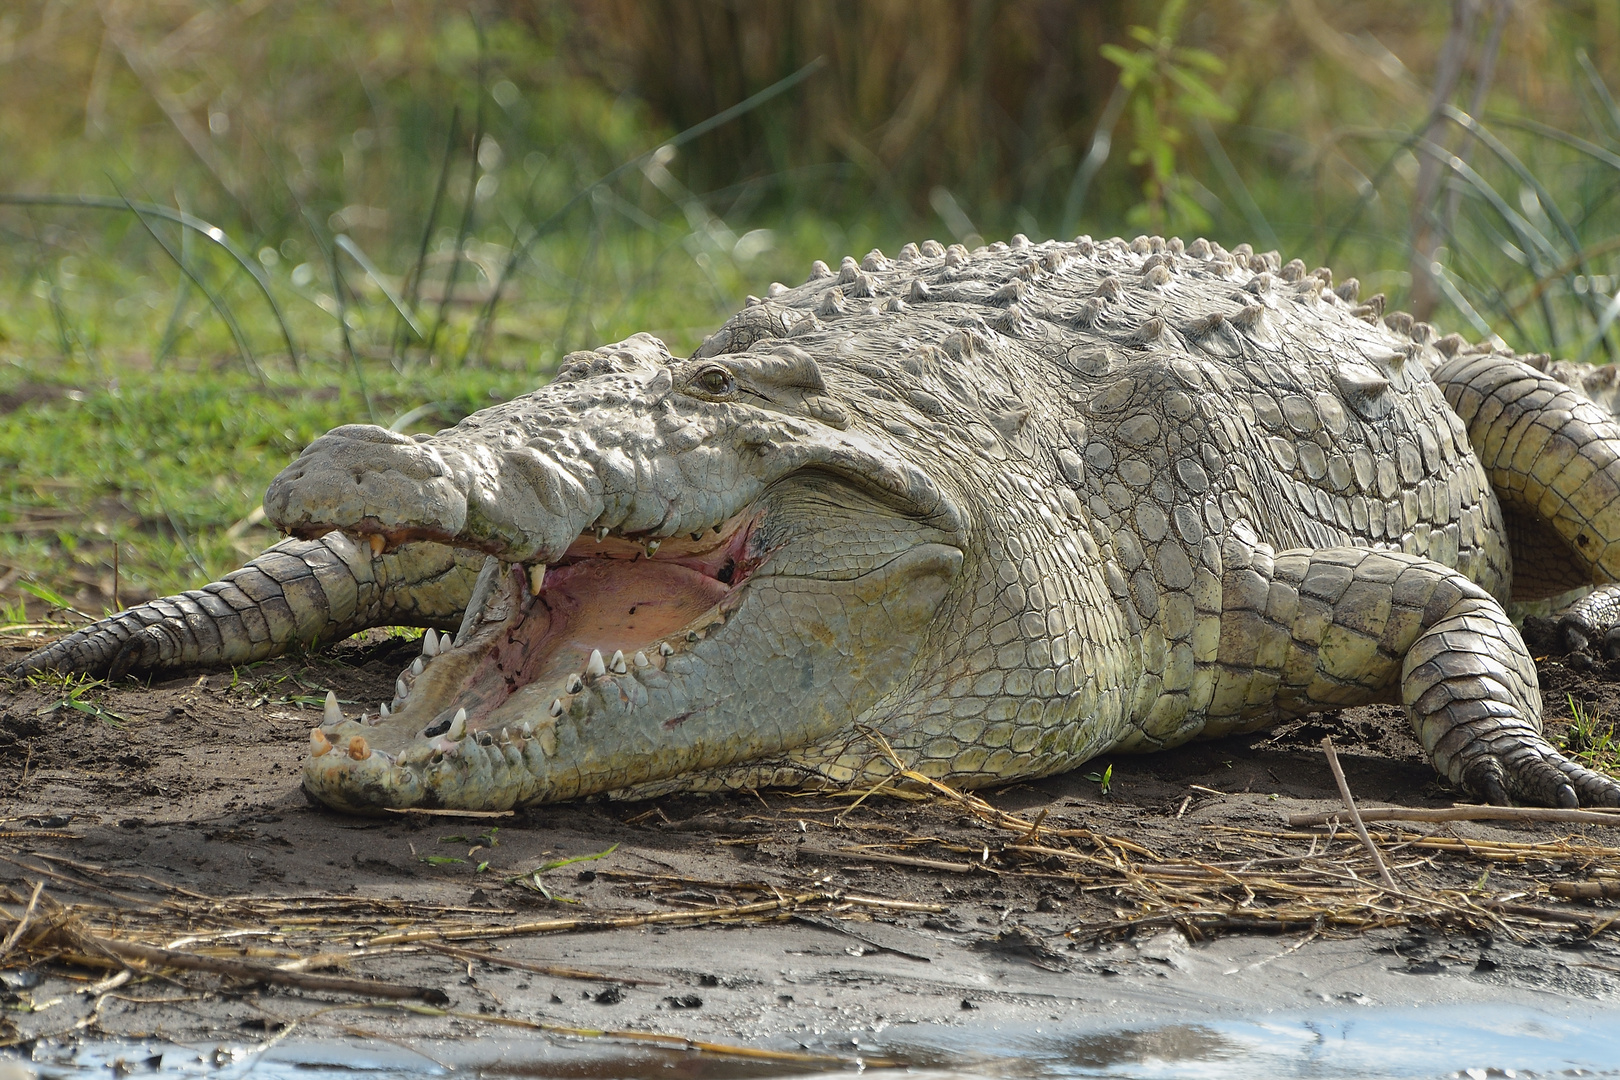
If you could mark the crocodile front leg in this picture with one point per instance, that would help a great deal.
(298, 592)
(1303, 631)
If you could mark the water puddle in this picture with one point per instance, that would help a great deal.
(1469, 1043)
(1463, 1042)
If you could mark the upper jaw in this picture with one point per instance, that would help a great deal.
(521, 481)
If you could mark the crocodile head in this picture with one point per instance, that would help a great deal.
(691, 564)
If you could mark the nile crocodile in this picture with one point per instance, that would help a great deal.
(1008, 509)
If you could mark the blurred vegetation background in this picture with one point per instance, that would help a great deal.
(227, 225)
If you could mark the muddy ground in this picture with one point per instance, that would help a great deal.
(187, 787)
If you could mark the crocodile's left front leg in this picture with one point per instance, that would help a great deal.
(1303, 631)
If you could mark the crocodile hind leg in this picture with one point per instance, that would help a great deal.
(1553, 458)
(298, 592)
(1303, 631)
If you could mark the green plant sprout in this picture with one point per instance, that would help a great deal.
(1166, 85)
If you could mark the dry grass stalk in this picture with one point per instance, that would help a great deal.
(174, 958)
(1339, 883)
(1355, 815)
(764, 910)
(539, 969)
(1467, 813)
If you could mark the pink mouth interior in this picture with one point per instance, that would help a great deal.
(608, 596)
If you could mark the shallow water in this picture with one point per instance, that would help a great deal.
(1419, 1042)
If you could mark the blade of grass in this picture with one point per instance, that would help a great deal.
(1102, 141)
(182, 293)
(64, 339)
(1600, 334)
(353, 251)
(586, 262)
(1234, 182)
(520, 251)
(1527, 177)
(1367, 194)
(470, 207)
(340, 290)
(1535, 245)
(413, 280)
(1530, 240)
(214, 298)
(1599, 88)
(1592, 150)
(212, 232)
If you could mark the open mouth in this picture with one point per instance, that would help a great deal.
(536, 639)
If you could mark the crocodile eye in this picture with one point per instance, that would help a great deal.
(715, 382)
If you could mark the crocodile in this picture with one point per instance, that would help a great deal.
(979, 514)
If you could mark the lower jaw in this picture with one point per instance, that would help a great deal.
(496, 697)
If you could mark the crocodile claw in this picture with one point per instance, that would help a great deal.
(1525, 768)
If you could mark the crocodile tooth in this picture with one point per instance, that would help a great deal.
(333, 715)
(574, 684)
(696, 537)
(601, 533)
(358, 750)
(319, 744)
(458, 726)
(378, 542)
(652, 548)
(556, 706)
(537, 579)
(665, 649)
(382, 709)
(430, 643)
(401, 691)
(594, 667)
(417, 667)
(641, 660)
(617, 663)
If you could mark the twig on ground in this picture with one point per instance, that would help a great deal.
(241, 969)
(740, 913)
(539, 969)
(1465, 813)
(1355, 817)
(22, 921)
(897, 860)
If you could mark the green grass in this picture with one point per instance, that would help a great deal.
(105, 440)
(1590, 739)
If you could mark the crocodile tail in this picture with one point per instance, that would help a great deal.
(1549, 451)
(298, 592)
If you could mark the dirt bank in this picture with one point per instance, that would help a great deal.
(171, 815)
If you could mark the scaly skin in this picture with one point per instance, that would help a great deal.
(1011, 509)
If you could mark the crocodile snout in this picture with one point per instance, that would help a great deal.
(367, 479)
